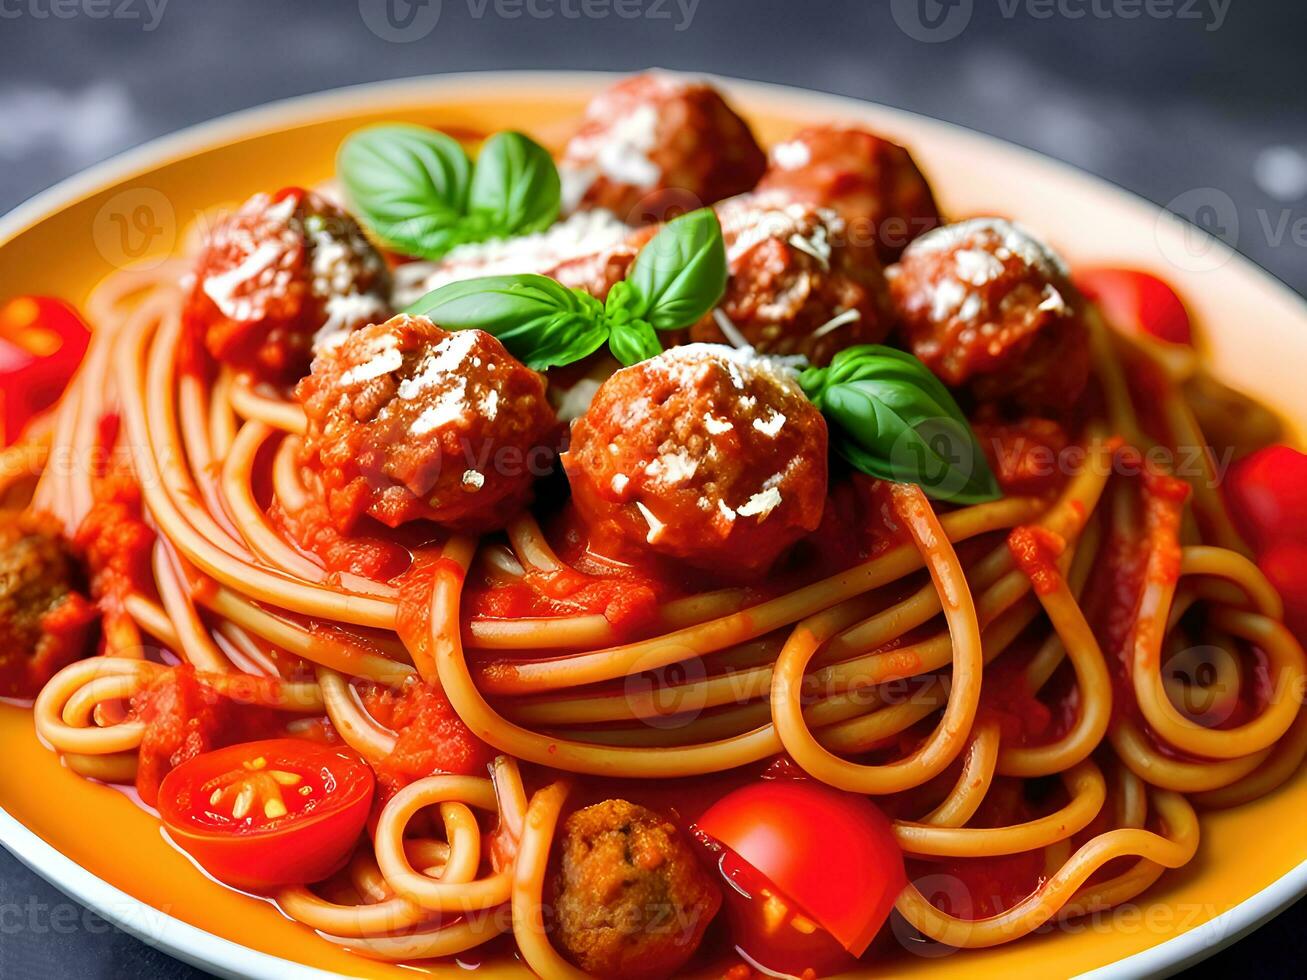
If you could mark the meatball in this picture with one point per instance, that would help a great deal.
(597, 272)
(987, 305)
(574, 243)
(873, 184)
(278, 272)
(631, 899)
(654, 144)
(704, 453)
(45, 621)
(797, 285)
(408, 421)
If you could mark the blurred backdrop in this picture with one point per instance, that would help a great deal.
(1164, 97)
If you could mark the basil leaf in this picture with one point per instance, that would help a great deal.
(681, 274)
(515, 186)
(633, 341)
(896, 421)
(409, 184)
(541, 322)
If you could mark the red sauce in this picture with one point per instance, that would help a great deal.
(116, 543)
(370, 556)
(1036, 551)
(431, 736)
(1026, 456)
(184, 717)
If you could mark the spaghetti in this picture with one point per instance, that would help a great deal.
(908, 673)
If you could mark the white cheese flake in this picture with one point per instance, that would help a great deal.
(655, 525)
(791, 155)
(772, 426)
(761, 504)
(716, 426)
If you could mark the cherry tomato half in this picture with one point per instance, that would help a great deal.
(42, 341)
(262, 814)
(1138, 302)
(830, 860)
(1285, 564)
(1267, 495)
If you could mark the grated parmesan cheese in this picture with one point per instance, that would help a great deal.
(584, 233)
(772, 427)
(761, 504)
(655, 525)
(791, 155)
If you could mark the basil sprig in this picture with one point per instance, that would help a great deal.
(893, 419)
(677, 278)
(419, 193)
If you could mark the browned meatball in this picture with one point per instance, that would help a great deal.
(631, 899)
(409, 421)
(596, 273)
(797, 285)
(987, 305)
(703, 453)
(873, 184)
(654, 145)
(276, 273)
(45, 622)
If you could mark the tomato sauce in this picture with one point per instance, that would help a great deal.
(431, 736)
(184, 718)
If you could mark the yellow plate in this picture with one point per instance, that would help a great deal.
(95, 844)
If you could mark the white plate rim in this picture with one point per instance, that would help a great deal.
(203, 949)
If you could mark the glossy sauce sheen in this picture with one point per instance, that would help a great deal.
(37, 791)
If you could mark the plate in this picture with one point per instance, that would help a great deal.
(138, 208)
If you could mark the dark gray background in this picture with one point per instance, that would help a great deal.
(1163, 97)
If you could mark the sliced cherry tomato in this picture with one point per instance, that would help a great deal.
(1137, 301)
(262, 814)
(42, 341)
(1267, 495)
(807, 864)
(1285, 564)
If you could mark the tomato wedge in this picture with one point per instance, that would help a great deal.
(1267, 495)
(263, 814)
(806, 863)
(42, 341)
(1137, 302)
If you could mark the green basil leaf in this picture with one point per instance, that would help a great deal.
(515, 186)
(409, 184)
(895, 420)
(633, 341)
(681, 274)
(541, 322)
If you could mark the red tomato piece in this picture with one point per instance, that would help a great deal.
(1285, 564)
(1266, 492)
(1137, 302)
(42, 341)
(831, 858)
(263, 814)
